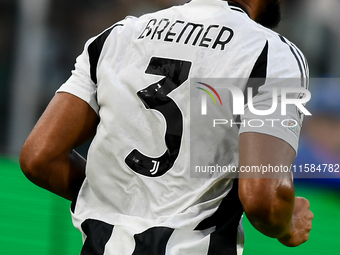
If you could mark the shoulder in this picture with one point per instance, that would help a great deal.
(264, 46)
(285, 59)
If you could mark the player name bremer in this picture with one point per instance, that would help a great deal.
(183, 32)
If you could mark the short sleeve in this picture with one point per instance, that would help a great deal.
(80, 83)
(276, 106)
(278, 120)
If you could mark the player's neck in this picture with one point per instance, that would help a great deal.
(251, 6)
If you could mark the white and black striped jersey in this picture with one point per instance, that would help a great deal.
(138, 197)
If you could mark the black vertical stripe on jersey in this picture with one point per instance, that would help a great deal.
(302, 59)
(304, 64)
(95, 49)
(257, 77)
(97, 234)
(297, 60)
(153, 241)
(226, 219)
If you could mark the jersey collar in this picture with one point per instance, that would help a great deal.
(232, 5)
(237, 7)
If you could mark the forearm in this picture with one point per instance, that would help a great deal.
(267, 198)
(273, 217)
(63, 175)
(47, 158)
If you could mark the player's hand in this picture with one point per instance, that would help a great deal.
(301, 224)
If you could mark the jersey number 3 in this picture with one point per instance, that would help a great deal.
(155, 97)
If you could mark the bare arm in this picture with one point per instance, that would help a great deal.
(47, 157)
(270, 203)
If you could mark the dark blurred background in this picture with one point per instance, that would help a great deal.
(39, 42)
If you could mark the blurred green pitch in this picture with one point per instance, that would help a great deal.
(34, 221)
